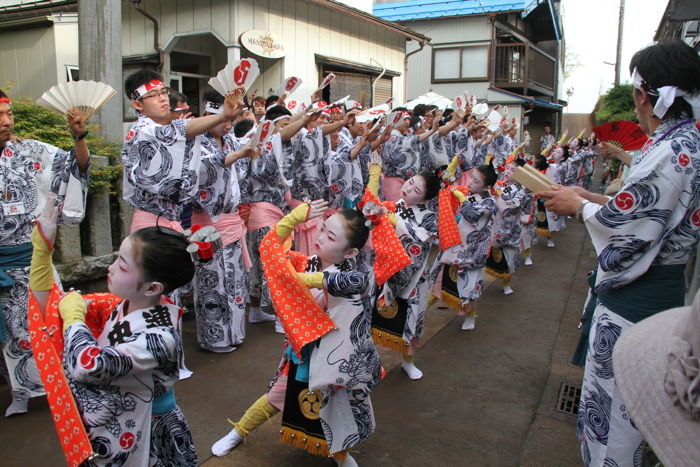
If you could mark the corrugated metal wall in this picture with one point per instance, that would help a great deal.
(28, 59)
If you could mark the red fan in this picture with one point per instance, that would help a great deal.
(623, 134)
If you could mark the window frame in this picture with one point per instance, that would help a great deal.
(460, 46)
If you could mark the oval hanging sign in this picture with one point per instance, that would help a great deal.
(262, 43)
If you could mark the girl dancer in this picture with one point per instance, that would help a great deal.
(326, 406)
(399, 316)
(122, 372)
(459, 269)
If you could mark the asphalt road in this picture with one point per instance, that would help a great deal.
(487, 397)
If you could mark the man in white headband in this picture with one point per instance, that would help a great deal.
(161, 158)
(643, 236)
(29, 171)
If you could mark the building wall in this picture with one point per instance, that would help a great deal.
(305, 28)
(28, 59)
(453, 31)
(66, 43)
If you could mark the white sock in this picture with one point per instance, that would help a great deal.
(411, 370)
(469, 323)
(257, 315)
(19, 405)
(278, 327)
(507, 290)
(226, 444)
(528, 261)
(550, 244)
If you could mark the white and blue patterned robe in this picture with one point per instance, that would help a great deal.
(417, 228)
(161, 167)
(653, 221)
(220, 284)
(29, 170)
(401, 155)
(476, 216)
(116, 377)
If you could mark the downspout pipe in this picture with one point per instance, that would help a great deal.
(405, 70)
(374, 83)
(156, 34)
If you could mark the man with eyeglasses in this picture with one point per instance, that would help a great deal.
(161, 156)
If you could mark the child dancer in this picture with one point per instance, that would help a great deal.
(504, 257)
(547, 221)
(122, 377)
(459, 269)
(399, 316)
(325, 400)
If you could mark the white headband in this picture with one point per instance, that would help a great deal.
(667, 95)
(213, 107)
(281, 117)
(144, 88)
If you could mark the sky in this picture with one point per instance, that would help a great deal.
(590, 28)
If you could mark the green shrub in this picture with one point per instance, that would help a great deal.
(616, 104)
(33, 121)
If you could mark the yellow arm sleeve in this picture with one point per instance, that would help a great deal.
(40, 271)
(375, 173)
(313, 280)
(298, 215)
(73, 309)
(459, 195)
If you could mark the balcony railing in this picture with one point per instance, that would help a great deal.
(521, 65)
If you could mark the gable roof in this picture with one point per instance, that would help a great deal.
(410, 10)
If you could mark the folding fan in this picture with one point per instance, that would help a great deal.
(372, 113)
(237, 74)
(494, 120)
(289, 85)
(79, 99)
(623, 134)
(480, 108)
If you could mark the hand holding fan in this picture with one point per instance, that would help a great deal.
(623, 134)
(237, 74)
(263, 133)
(77, 99)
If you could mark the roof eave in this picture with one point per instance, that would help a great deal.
(403, 30)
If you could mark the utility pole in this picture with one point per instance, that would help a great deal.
(100, 49)
(618, 57)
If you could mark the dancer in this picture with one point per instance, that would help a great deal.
(122, 372)
(459, 269)
(325, 400)
(399, 316)
(504, 257)
(221, 283)
(29, 171)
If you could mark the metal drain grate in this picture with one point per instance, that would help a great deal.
(569, 397)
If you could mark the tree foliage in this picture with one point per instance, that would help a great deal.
(616, 104)
(35, 122)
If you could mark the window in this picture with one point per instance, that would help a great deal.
(72, 73)
(468, 63)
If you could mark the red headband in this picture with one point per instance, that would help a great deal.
(5, 100)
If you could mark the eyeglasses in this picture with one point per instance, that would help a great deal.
(157, 93)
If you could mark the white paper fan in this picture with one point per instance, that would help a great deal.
(372, 113)
(480, 108)
(494, 120)
(237, 74)
(78, 98)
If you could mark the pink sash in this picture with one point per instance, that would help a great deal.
(263, 214)
(306, 232)
(391, 187)
(143, 219)
(231, 228)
